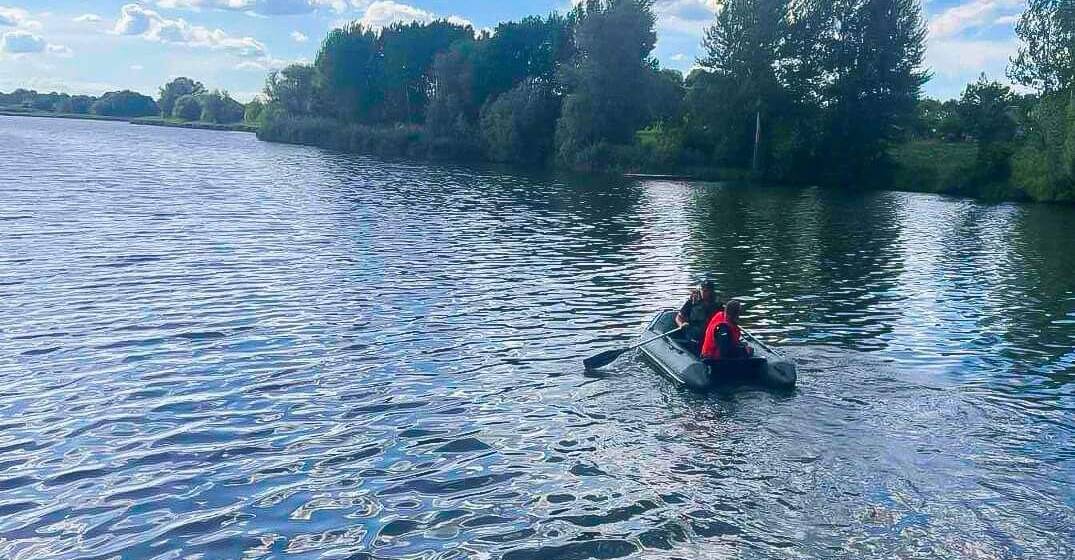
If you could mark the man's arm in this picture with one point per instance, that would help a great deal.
(683, 317)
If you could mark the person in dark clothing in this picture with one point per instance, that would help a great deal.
(695, 314)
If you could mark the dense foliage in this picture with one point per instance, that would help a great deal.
(125, 103)
(182, 99)
(583, 91)
(1021, 146)
(175, 89)
(30, 100)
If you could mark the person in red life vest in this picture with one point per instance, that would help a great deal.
(723, 338)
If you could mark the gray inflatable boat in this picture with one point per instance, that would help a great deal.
(766, 368)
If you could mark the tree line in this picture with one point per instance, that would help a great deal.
(798, 91)
(790, 90)
(124, 103)
(181, 99)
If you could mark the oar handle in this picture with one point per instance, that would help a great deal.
(665, 335)
(758, 341)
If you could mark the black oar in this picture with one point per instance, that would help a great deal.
(605, 358)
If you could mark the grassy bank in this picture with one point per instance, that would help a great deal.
(19, 112)
(933, 166)
(201, 125)
(150, 121)
(417, 142)
(408, 141)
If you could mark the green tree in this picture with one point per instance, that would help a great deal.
(125, 103)
(1045, 164)
(518, 127)
(76, 104)
(758, 97)
(253, 110)
(175, 89)
(230, 111)
(187, 108)
(293, 89)
(1046, 57)
(608, 77)
(409, 51)
(218, 107)
(874, 51)
(471, 74)
(987, 111)
(350, 66)
(522, 50)
(951, 125)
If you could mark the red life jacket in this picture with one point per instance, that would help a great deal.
(710, 348)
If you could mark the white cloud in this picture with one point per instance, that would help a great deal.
(690, 17)
(386, 12)
(266, 64)
(21, 42)
(137, 67)
(299, 37)
(969, 15)
(678, 57)
(458, 20)
(62, 51)
(383, 13)
(260, 7)
(139, 21)
(958, 58)
(87, 18)
(17, 17)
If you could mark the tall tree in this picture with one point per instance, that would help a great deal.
(175, 89)
(609, 76)
(409, 51)
(125, 103)
(874, 55)
(1046, 58)
(744, 50)
(472, 74)
(351, 67)
(293, 89)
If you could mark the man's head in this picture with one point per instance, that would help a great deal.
(706, 287)
(732, 310)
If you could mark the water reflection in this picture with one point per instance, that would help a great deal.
(214, 346)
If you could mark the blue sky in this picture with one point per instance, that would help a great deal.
(98, 45)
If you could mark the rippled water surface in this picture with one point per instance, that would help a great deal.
(212, 347)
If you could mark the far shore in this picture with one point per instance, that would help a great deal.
(149, 121)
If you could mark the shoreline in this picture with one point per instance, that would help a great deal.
(199, 125)
(144, 121)
(49, 115)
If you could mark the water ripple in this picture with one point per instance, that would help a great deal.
(214, 347)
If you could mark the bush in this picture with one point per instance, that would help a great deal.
(187, 108)
(215, 107)
(252, 111)
(519, 125)
(76, 104)
(125, 103)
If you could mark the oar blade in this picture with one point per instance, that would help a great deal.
(603, 359)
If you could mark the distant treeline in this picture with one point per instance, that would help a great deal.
(816, 92)
(181, 99)
(124, 103)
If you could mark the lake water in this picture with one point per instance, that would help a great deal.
(214, 347)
